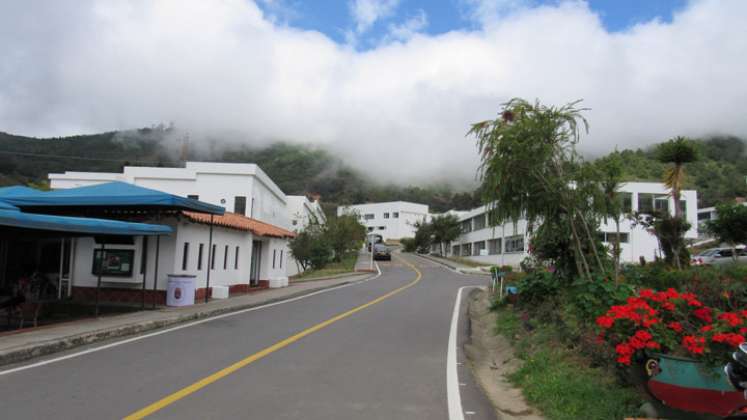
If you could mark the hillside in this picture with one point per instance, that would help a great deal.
(719, 175)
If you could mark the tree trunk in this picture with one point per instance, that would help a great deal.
(591, 241)
(617, 249)
(580, 250)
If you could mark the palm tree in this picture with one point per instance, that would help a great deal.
(677, 151)
(611, 172)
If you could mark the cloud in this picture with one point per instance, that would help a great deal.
(367, 12)
(407, 29)
(401, 108)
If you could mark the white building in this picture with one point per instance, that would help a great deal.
(249, 244)
(302, 211)
(393, 220)
(508, 244)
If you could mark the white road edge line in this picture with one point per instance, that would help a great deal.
(446, 267)
(453, 396)
(187, 325)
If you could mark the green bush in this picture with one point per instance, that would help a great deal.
(589, 299)
(408, 244)
(537, 287)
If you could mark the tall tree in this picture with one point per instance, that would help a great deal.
(530, 169)
(444, 229)
(676, 152)
(611, 173)
(730, 226)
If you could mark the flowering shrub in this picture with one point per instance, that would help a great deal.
(672, 322)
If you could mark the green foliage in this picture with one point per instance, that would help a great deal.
(408, 244)
(731, 224)
(562, 388)
(442, 230)
(537, 286)
(678, 151)
(590, 299)
(530, 169)
(310, 248)
(344, 234)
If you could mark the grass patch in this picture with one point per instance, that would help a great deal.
(559, 381)
(347, 265)
(467, 262)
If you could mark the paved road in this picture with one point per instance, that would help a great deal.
(386, 360)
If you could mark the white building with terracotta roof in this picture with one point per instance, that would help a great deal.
(248, 248)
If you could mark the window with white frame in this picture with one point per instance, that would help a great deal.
(477, 247)
(368, 216)
(466, 250)
(386, 215)
(395, 215)
(479, 221)
(609, 237)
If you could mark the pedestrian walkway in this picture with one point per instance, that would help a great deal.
(364, 262)
(34, 342)
(462, 268)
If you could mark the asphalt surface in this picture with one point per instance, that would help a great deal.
(385, 361)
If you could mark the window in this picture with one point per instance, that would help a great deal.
(515, 244)
(199, 256)
(294, 222)
(239, 205)
(144, 257)
(225, 258)
(185, 255)
(477, 247)
(609, 237)
(455, 250)
(467, 226)
(479, 222)
(370, 228)
(395, 215)
(193, 196)
(251, 210)
(274, 252)
(661, 204)
(386, 215)
(368, 216)
(382, 227)
(117, 262)
(236, 259)
(466, 250)
(494, 246)
(281, 258)
(683, 207)
(627, 202)
(212, 257)
(645, 203)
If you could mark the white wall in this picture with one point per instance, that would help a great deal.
(397, 228)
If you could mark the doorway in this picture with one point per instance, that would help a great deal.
(256, 263)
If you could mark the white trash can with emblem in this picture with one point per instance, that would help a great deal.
(180, 290)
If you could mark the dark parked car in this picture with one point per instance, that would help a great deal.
(382, 252)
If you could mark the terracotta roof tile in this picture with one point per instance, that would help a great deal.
(239, 222)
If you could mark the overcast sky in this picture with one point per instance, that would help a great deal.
(375, 81)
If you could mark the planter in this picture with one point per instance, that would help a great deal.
(688, 385)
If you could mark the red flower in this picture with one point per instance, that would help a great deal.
(694, 344)
(653, 345)
(704, 314)
(675, 326)
(646, 294)
(669, 306)
(743, 330)
(605, 322)
(706, 328)
(728, 338)
(730, 318)
(648, 322)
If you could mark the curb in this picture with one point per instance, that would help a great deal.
(61, 344)
(334, 277)
(461, 270)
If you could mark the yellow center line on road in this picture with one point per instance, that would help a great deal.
(202, 383)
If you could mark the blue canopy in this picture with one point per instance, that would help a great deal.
(18, 191)
(6, 206)
(80, 225)
(110, 194)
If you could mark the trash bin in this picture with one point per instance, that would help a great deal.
(180, 290)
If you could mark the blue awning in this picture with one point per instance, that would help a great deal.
(78, 225)
(110, 194)
(6, 206)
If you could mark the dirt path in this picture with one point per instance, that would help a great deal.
(492, 358)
